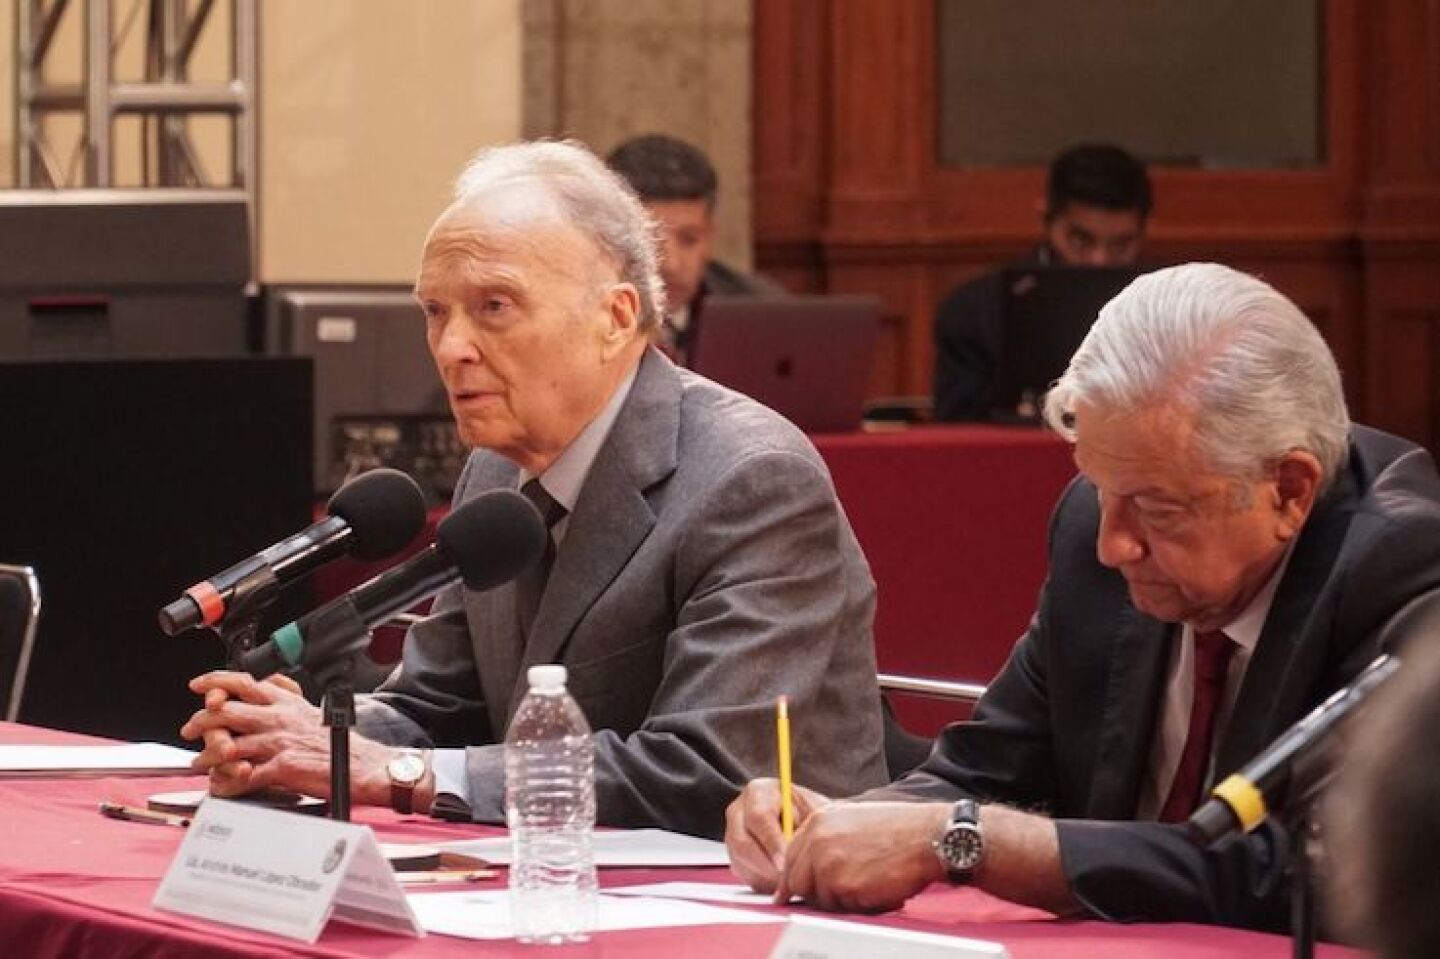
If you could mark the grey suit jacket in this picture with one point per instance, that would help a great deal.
(1066, 726)
(706, 569)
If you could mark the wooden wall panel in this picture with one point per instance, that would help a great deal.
(1404, 346)
(790, 58)
(875, 110)
(850, 197)
(903, 290)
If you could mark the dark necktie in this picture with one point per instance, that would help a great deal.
(530, 585)
(1212, 662)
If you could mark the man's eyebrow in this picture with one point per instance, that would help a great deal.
(1154, 492)
(1160, 498)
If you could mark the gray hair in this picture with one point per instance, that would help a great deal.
(592, 198)
(1225, 345)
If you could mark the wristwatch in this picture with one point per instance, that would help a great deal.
(405, 770)
(961, 845)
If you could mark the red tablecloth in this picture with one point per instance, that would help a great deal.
(74, 884)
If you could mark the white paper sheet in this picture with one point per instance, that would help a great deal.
(618, 847)
(62, 762)
(486, 914)
(734, 895)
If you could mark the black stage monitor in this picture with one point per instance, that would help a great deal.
(123, 273)
(125, 482)
(1047, 310)
(378, 398)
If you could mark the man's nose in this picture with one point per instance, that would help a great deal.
(450, 344)
(1116, 543)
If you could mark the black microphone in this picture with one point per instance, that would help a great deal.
(372, 516)
(486, 542)
(1243, 800)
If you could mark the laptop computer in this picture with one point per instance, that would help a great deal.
(806, 357)
(1047, 310)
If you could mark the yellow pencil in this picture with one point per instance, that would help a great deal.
(787, 795)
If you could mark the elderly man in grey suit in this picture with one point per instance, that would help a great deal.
(702, 565)
(1233, 552)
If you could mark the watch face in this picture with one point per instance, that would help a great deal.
(961, 847)
(407, 768)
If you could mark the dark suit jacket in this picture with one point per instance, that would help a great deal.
(1066, 727)
(969, 331)
(706, 569)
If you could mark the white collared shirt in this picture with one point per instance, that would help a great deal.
(563, 481)
(1173, 723)
(566, 476)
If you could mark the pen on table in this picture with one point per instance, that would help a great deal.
(787, 793)
(134, 814)
(444, 875)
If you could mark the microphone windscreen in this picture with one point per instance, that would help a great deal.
(493, 538)
(385, 510)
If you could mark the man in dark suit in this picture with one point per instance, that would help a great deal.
(1229, 556)
(702, 563)
(678, 185)
(1097, 204)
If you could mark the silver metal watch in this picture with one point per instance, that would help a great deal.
(961, 845)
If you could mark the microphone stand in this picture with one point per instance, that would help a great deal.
(1309, 780)
(241, 625)
(329, 657)
(1303, 833)
(338, 709)
(331, 646)
(239, 630)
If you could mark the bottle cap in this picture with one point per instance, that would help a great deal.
(546, 676)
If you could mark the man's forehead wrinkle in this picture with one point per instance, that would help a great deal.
(467, 257)
(522, 257)
(1139, 453)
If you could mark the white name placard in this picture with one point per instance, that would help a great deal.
(282, 872)
(810, 938)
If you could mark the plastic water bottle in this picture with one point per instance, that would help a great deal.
(550, 809)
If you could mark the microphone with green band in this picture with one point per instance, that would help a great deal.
(485, 542)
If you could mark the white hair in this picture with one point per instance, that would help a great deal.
(592, 198)
(1255, 373)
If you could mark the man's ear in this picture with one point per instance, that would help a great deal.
(623, 309)
(1297, 485)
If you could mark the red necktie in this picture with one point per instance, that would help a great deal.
(1212, 662)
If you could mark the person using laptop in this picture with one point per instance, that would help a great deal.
(1097, 203)
(679, 187)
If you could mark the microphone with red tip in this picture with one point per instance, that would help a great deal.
(486, 542)
(371, 517)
